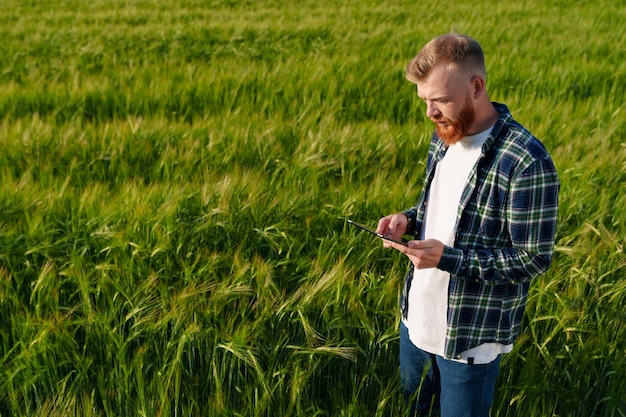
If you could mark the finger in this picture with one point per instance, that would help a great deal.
(383, 225)
(419, 244)
(393, 224)
(397, 246)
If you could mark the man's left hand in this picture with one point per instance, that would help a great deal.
(423, 253)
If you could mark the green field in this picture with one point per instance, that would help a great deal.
(175, 179)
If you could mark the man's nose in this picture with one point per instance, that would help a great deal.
(432, 111)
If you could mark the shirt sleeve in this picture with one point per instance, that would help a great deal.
(531, 224)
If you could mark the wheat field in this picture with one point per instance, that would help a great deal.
(176, 177)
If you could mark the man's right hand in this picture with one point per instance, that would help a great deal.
(393, 225)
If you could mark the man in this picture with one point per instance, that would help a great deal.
(484, 226)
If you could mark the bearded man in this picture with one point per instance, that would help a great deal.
(483, 227)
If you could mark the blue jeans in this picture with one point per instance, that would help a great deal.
(432, 384)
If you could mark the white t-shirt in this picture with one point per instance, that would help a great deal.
(428, 295)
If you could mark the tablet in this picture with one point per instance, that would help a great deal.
(380, 235)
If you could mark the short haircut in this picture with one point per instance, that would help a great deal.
(454, 49)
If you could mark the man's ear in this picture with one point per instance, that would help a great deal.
(478, 84)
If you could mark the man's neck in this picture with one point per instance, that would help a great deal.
(485, 119)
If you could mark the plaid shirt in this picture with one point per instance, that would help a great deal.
(504, 235)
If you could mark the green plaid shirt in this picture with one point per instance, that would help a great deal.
(504, 235)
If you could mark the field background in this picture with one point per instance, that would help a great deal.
(175, 179)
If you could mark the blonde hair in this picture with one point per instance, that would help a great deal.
(453, 49)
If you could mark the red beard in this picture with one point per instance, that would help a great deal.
(456, 129)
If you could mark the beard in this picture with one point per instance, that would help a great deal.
(456, 129)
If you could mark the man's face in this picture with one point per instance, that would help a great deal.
(448, 103)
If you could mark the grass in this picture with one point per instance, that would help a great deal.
(175, 183)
